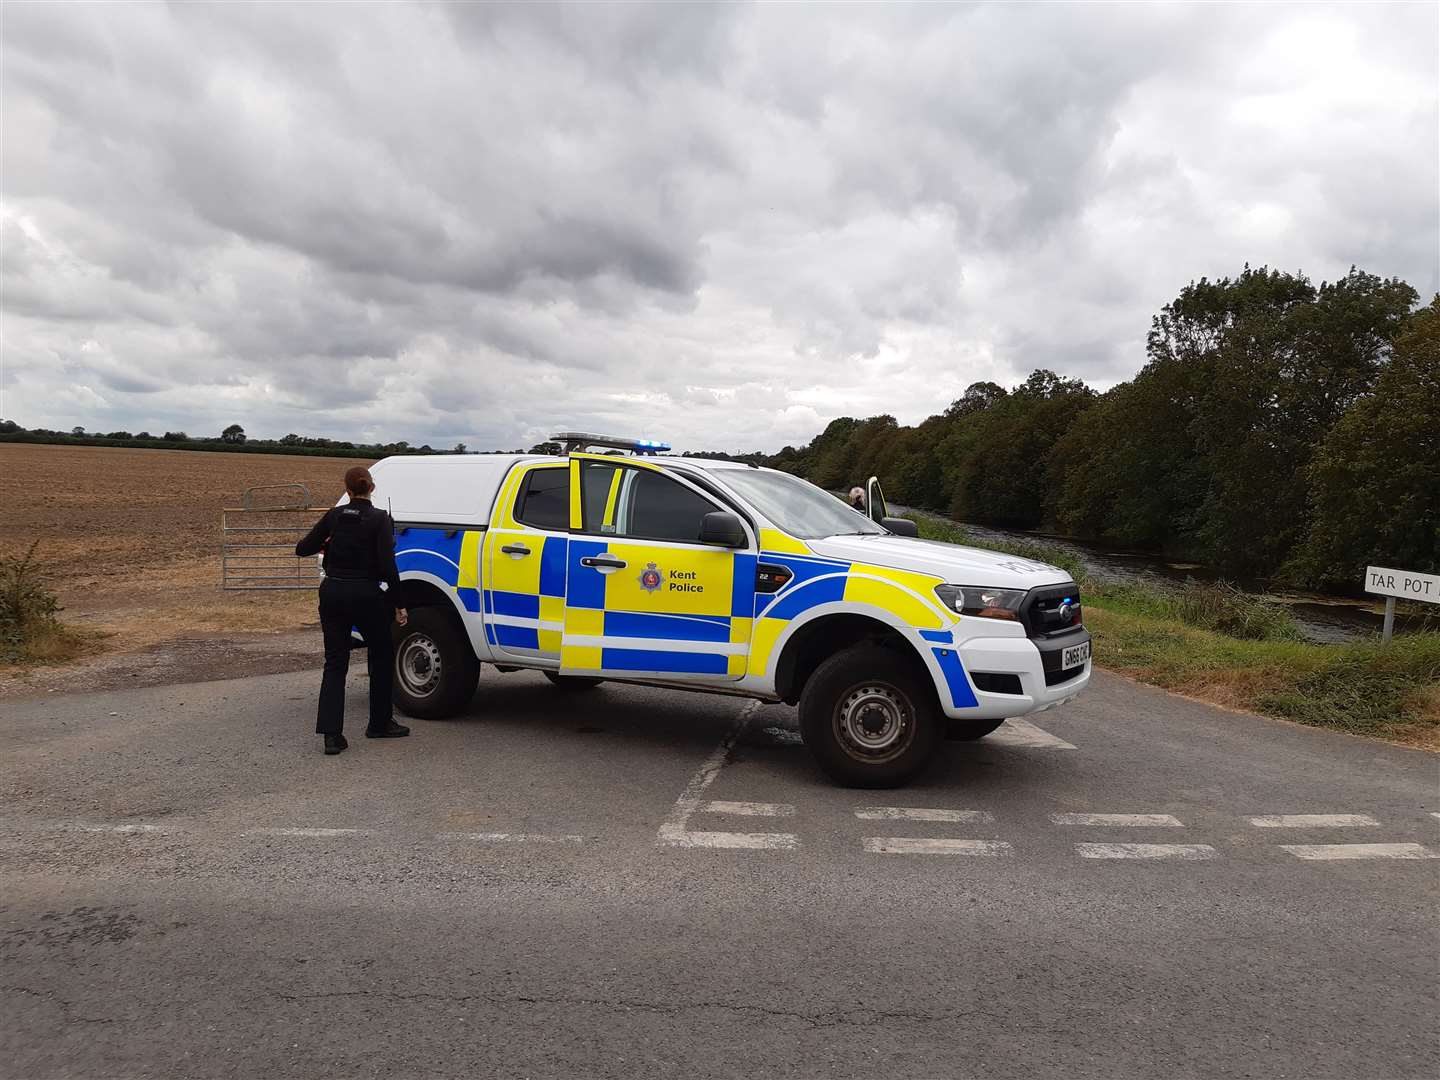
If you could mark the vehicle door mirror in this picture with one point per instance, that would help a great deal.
(722, 529)
(901, 526)
(875, 501)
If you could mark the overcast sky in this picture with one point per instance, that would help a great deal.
(723, 226)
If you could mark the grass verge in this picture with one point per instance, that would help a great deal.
(30, 632)
(1220, 645)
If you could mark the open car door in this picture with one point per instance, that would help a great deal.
(875, 501)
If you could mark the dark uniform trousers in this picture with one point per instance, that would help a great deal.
(346, 603)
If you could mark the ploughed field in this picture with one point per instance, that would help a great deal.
(129, 539)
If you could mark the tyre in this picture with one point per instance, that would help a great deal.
(573, 683)
(870, 718)
(435, 667)
(968, 730)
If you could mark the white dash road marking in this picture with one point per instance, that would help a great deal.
(917, 845)
(920, 813)
(1022, 733)
(1435, 814)
(1145, 851)
(510, 838)
(1141, 820)
(674, 832)
(1312, 821)
(306, 832)
(746, 809)
(764, 841)
(128, 829)
(1360, 851)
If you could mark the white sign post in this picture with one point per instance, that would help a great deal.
(1405, 584)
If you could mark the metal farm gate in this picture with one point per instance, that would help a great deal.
(258, 537)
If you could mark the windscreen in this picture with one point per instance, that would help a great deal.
(798, 507)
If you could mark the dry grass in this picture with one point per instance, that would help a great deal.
(130, 539)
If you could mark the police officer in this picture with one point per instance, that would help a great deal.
(359, 545)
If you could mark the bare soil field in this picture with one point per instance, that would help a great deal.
(129, 540)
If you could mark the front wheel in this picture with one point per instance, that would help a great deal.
(869, 716)
(435, 668)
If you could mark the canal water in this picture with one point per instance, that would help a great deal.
(1320, 618)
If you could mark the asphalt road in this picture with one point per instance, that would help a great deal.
(633, 882)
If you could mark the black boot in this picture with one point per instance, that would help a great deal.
(335, 743)
(391, 730)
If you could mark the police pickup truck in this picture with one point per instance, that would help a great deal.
(718, 576)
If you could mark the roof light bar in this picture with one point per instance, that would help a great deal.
(580, 440)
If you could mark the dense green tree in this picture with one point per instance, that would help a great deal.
(1375, 483)
(233, 434)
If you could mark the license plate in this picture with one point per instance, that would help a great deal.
(1075, 655)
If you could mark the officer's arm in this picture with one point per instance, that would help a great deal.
(385, 557)
(315, 539)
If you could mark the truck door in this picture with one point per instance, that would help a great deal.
(875, 500)
(644, 597)
(523, 586)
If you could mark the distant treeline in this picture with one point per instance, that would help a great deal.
(1278, 430)
(231, 441)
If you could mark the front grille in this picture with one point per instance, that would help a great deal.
(1041, 610)
(1059, 675)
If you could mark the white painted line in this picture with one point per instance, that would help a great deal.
(674, 832)
(1360, 851)
(511, 838)
(747, 809)
(920, 813)
(765, 841)
(1141, 820)
(306, 832)
(128, 830)
(1311, 821)
(1145, 851)
(916, 845)
(1022, 733)
(1435, 814)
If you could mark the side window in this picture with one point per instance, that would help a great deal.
(544, 501)
(599, 496)
(658, 508)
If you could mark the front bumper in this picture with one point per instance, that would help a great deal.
(1027, 670)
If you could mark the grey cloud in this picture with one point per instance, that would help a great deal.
(722, 224)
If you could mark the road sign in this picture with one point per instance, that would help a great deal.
(1405, 584)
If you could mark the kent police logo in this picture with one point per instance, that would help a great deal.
(650, 578)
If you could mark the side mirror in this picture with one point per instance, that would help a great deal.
(722, 529)
(901, 526)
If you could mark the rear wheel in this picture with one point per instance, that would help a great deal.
(573, 683)
(435, 668)
(967, 730)
(869, 716)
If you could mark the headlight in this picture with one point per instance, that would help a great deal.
(976, 600)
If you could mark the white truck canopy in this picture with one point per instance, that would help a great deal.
(457, 489)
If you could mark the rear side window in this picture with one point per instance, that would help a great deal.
(544, 501)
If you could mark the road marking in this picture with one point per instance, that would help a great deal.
(1145, 851)
(747, 809)
(1022, 733)
(1143, 820)
(920, 813)
(675, 833)
(1435, 814)
(1360, 851)
(1311, 821)
(916, 845)
(511, 838)
(128, 829)
(305, 832)
(763, 841)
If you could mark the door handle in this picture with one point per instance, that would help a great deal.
(603, 562)
(515, 549)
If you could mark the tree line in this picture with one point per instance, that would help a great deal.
(232, 439)
(1278, 430)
